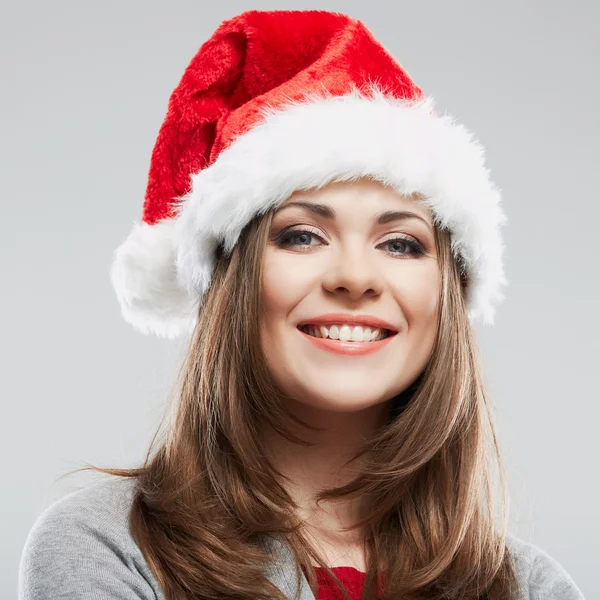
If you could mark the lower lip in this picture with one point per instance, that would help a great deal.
(348, 348)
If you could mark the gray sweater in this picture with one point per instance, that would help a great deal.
(80, 548)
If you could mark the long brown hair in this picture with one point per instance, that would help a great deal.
(206, 491)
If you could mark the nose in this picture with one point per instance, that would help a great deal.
(352, 273)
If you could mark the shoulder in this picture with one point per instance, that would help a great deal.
(81, 547)
(539, 574)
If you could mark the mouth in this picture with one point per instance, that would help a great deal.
(381, 339)
(367, 335)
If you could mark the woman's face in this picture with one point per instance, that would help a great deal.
(349, 263)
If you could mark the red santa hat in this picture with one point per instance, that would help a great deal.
(278, 101)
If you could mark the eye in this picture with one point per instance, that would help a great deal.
(295, 238)
(416, 249)
(287, 238)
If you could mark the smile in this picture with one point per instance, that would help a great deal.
(348, 347)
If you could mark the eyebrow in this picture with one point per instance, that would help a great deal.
(327, 212)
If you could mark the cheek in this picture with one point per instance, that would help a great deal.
(283, 285)
(418, 296)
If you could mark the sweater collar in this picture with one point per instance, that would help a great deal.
(281, 571)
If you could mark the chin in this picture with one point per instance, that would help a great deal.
(345, 399)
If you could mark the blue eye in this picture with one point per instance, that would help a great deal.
(287, 237)
(285, 240)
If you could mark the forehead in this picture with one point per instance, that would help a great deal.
(366, 194)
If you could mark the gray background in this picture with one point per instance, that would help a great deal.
(84, 90)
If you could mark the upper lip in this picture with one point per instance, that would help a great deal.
(349, 319)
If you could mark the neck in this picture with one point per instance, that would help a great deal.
(321, 465)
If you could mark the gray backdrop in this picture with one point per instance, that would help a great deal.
(84, 90)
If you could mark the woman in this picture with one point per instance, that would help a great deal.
(328, 240)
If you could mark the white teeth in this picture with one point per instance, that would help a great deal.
(345, 333)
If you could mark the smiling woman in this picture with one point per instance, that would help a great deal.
(345, 258)
(328, 243)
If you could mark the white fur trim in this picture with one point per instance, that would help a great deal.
(143, 276)
(309, 144)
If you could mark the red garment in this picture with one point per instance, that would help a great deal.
(352, 579)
